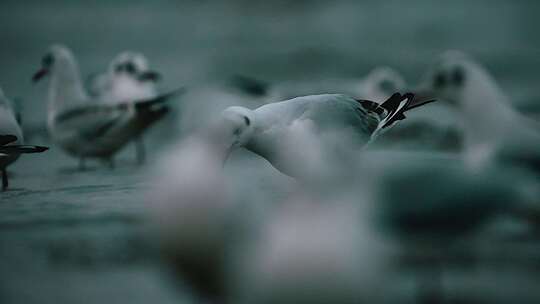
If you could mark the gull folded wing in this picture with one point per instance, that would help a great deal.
(7, 139)
(96, 120)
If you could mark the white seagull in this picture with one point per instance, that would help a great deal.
(87, 128)
(11, 139)
(278, 132)
(493, 129)
(128, 78)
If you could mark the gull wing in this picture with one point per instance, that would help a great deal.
(336, 112)
(94, 120)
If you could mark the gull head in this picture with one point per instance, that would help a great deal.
(58, 59)
(133, 64)
(236, 124)
(459, 80)
(385, 80)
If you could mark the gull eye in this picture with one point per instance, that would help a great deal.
(458, 76)
(440, 80)
(247, 121)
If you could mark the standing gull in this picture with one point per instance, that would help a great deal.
(128, 78)
(87, 128)
(278, 131)
(11, 139)
(494, 130)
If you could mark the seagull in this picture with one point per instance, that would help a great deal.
(312, 250)
(128, 78)
(11, 139)
(195, 219)
(278, 131)
(88, 128)
(379, 84)
(493, 129)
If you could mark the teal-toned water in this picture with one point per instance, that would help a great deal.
(79, 237)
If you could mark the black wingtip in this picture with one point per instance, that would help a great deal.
(7, 139)
(39, 149)
(392, 105)
(160, 99)
(22, 149)
(392, 102)
(418, 100)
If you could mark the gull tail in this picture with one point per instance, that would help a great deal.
(22, 149)
(397, 105)
(153, 109)
(7, 139)
(149, 111)
(159, 100)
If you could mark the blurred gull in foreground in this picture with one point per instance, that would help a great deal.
(88, 128)
(11, 139)
(435, 206)
(128, 78)
(278, 131)
(493, 129)
(311, 250)
(196, 220)
(227, 254)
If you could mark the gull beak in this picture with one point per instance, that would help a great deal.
(152, 76)
(40, 74)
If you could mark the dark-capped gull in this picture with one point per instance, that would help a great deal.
(493, 129)
(128, 77)
(88, 128)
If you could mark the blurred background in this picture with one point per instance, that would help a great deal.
(69, 238)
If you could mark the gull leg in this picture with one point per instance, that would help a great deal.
(5, 182)
(140, 151)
